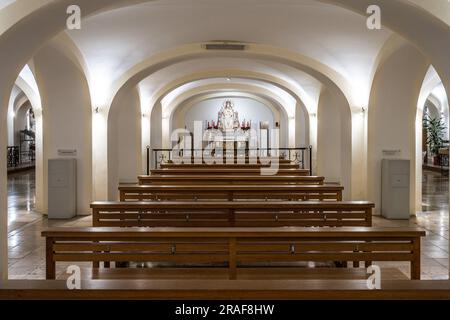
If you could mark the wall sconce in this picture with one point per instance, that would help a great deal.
(313, 115)
(363, 110)
(97, 110)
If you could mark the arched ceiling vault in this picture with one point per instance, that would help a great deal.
(23, 101)
(225, 88)
(402, 16)
(302, 97)
(269, 102)
(195, 51)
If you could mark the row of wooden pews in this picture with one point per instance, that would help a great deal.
(197, 221)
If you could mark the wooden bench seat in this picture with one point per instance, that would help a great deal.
(231, 213)
(233, 246)
(225, 290)
(226, 171)
(230, 179)
(241, 273)
(231, 192)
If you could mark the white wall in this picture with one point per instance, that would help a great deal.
(155, 130)
(301, 127)
(329, 139)
(16, 92)
(124, 142)
(248, 109)
(67, 118)
(334, 136)
(392, 116)
(20, 122)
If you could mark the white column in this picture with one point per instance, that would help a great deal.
(359, 154)
(3, 198)
(100, 155)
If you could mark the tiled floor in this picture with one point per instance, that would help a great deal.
(27, 254)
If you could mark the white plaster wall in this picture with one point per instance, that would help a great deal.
(155, 130)
(14, 94)
(66, 118)
(392, 116)
(248, 109)
(20, 122)
(124, 142)
(329, 145)
(301, 127)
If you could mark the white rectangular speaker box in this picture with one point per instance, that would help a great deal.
(395, 185)
(62, 188)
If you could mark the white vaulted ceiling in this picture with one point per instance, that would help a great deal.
(115, 41)
(296, 78)
(4, 3)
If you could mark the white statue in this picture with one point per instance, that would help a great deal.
(228, 118)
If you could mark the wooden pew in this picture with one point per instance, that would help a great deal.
(231, 192)
(247, 273)
(235, 247)
(231, 214)
(230, 179)
(225, 290)
(224, 166)
(226, 171)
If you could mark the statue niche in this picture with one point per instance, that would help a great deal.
(228, 119)
(228, 133)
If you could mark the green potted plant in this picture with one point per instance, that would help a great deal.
(435, 129)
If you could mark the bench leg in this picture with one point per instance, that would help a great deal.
(415, 263)
(50, 265)
(107, 264)
(96, 264)
(232, 259)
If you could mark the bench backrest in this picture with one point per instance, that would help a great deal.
(232, 246)
(230, 179)
(224, 166)
(230, 192)
(226, 171)
(231, 214)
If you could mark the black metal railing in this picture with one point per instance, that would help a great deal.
(301, 156)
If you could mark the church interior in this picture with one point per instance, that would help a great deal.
(180, 148)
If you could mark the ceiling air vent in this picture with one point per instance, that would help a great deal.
(225, 46)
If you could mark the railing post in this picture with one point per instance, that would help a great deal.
(303, 158)
(310, 161)
(148, 160)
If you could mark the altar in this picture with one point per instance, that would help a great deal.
(228, 133)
